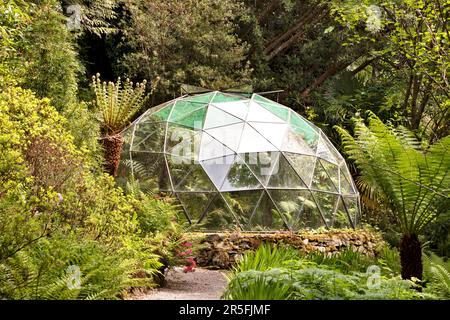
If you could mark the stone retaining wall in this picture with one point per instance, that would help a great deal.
(221, 250)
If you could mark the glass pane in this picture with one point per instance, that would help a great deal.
(151, 171)
(258, 113)
(321, 180)
(184, 107)
(274, 132)
(276, 108)
(327, 203)
(203, 98)
(290, 203)
(352, 208)
(149, 136)
(295, 143)
(261, 163)
(333, 172)
(218, 217)
(216, 118)
(284, 176)
(210, 148)
(326, 150)
(237, 108)
(188, 176)
(303, 165)
(195, 204)
(252, 141)
(266, 217)
(228, 135)
(243, 204)
(240, 178)
(347, 186)
(194, 119)
(163, 113)
(218, 168)
(340, 218)
(183, 142)
(304, 128)
(225, 97)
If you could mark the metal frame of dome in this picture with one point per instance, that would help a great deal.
(241, 160)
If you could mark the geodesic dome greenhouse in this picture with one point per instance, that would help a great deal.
(240, 161)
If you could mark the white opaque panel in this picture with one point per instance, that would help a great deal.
(230, 135)
(236, 108)
(218, 168)
(258, 113)
(252, 141)
(274, 132)
(216, 118)
(211, 148)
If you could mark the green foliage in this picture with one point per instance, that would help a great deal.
(279, 273)
(414, 182)
(437, 271)
(192, 42)
(55, 211)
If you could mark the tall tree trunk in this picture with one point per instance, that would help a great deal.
(411, 257)
(112, 145)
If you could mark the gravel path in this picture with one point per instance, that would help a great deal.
(202, 284)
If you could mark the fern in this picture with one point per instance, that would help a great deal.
(438, 272)
(414, 183)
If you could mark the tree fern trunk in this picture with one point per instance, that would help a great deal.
(112, 145)
(411, 257)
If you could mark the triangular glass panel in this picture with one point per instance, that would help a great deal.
(240, 178)
(238, 109)
(225, 97)
(260, 114)
(326, 150)
(274, 132)
(243, 204)
(303, 165)
(217, 118)
(230, 135)
(183, 107)
(188, 176)
(310, 216)
(252, 141)
(296, 144)
(266, 216)
(163, 113)
(327, 204)
(218, 168)
(333, 172)
(148, 137)
(210, 148)
(351, 202)
(304, 128)
(276, 108)
(290, 203)
(321, 180)
(203, 98)
(261, 163)
(218, 217)
(183, 142)
(284, 176)
(150, 169)
(341, 218)
(193, 120)
(195, 204)
(347, 186)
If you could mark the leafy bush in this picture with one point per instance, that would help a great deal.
(56, 211)
(283, 273)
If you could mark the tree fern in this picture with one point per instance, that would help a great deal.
(413, 181)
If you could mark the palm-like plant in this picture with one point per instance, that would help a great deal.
(413, 179)
(117, 104)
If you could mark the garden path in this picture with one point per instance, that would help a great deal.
(202, 284)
